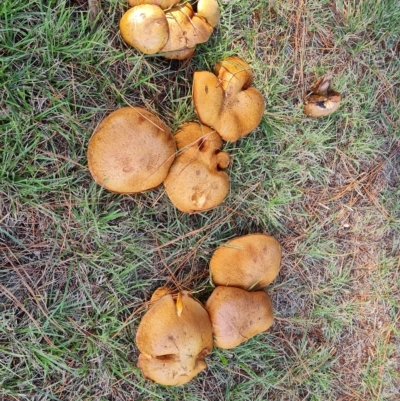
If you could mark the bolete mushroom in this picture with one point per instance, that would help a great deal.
(173, 338)
(248, 262)
(197, 180)
(131, 151)
(226, 101)
(322, 100)
(237, 315)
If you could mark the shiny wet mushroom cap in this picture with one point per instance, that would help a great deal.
(237, 315)
(131, 151)
(322, 100)
(197, 180)
(173, 338)
(248, 262)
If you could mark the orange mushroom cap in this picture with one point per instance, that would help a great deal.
(226, 102)
(247, 262)
(237, 315)
(131, 151)
(196, 180)
(173, 337)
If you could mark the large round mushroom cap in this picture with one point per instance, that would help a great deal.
(173, 337)
(247, 262)
(196, 180)
(131, 151)
(227, 102)
(145, 28)
(237, 315)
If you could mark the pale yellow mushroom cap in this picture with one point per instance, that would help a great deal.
(209, 9)
(145, 28)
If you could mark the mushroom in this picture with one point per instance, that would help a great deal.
(226, 101)
(196, 180)
(186, 29)
(145, 28)
(131, 151)
(163, 26)
(237, 315)
(161, 3)
(322, 100)
(209, 9)
(247, 262)
(173, 338)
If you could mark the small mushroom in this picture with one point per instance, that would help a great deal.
(237, 315)
(248, 262)
(227, 102)
(173, 338)
(209, 9)
(322, 100)
(145, 27)
(197, 180)
(131, 151)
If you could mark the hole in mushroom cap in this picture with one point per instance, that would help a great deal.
(167, 357)
(203, 145)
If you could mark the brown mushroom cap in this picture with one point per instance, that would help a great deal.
(145, 28)
(186, 29)
(209, 9)
(227, 103)
(322, 100)
(173, 337)
(248, 262)
(196, 180)
(237, 315)
(161, 3)
(131, 151)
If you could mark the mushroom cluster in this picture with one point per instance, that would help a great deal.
(164, 26)
(228, 109)
(197, 180)
(177, 332)
(226, 101)
(133, 150)
(239, 267)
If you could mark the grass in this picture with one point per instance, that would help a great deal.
(78, 264)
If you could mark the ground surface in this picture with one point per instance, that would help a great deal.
(78, 264)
